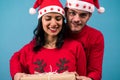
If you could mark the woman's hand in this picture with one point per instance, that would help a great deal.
(19, 75)
(83, 78)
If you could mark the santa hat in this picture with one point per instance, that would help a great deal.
(86, 5)
(46, 6)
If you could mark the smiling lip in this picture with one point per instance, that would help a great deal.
(53, 29)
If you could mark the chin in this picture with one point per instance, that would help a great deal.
(75, 31)
(54, 34)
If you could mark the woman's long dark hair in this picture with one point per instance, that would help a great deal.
(40, 37)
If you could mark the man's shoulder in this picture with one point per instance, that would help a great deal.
(94, 34)
(92, 30)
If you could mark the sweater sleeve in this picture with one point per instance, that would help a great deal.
(81, 61)
(95, 58)
(18, 61)
(15, 65)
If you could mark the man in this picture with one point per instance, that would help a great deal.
(78, 13)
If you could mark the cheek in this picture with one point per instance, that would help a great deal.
(85, 20)
(69, 18)
(45, 27)
(45, 24)
(60, 23)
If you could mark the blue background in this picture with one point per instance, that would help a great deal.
(17, 25)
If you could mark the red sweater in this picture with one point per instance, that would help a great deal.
(93, 43)
(71, 57)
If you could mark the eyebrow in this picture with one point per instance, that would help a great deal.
(77, 11)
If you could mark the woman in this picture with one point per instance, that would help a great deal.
(49, 51)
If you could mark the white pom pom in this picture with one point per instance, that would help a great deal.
(101, 10)
(32, 11)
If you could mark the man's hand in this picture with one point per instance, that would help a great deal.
(83, 78)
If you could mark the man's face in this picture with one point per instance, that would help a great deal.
(76, 19)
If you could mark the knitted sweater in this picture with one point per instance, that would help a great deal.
(70, 57)
(93, 43)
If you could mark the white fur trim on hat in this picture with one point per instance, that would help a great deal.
(52, 8)
(80, 5)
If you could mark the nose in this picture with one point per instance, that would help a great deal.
(76, 18)
(53, 22)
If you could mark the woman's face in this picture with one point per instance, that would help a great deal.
(52, 23)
